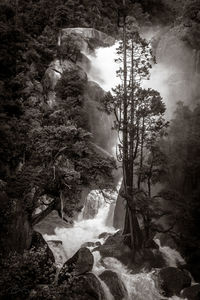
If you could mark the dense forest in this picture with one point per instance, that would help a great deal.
(50, 156)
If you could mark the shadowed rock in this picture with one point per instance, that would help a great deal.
(191, 293)
(114, 247)
(172, 280)
(115, 284)
(81, 263)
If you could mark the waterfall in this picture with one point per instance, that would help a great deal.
(103, 67)
(95, 216)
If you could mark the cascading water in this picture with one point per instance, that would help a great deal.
(93, 220)
(83, 230)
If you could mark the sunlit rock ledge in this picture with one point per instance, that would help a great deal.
(87, 36)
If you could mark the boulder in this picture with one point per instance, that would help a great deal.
(191, 293)
(85, 287)
(172, 280)
(114, 247)
(81, 263)
(115, 284)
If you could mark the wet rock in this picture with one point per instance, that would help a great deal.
(90, 244)
(81, 263)
(172, 280)
(115, 284)
(55, 242)
(191, 293)
(93, 202)
(151, 244)
(98, 244)
(104, 235)
(166, 240)
(116, 238)
(114, 247)
(151, 259)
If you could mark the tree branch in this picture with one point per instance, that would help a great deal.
(39, 217)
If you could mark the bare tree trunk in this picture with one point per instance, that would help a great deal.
(141, 154)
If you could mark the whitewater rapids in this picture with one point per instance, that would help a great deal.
(140, 286)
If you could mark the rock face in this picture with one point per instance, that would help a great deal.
(173, 280)
(81, 263)
(100, 123)
(119, 213)
(84, 35)
(54, 73)
(191, 293)
(93, 203)
(115, 284)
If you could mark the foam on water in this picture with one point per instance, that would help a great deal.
(171, 256)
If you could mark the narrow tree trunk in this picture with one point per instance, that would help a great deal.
(141, 154)
(131, 223)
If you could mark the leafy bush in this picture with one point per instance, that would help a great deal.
(22, 272)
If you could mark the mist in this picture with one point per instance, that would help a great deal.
(176, 73)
